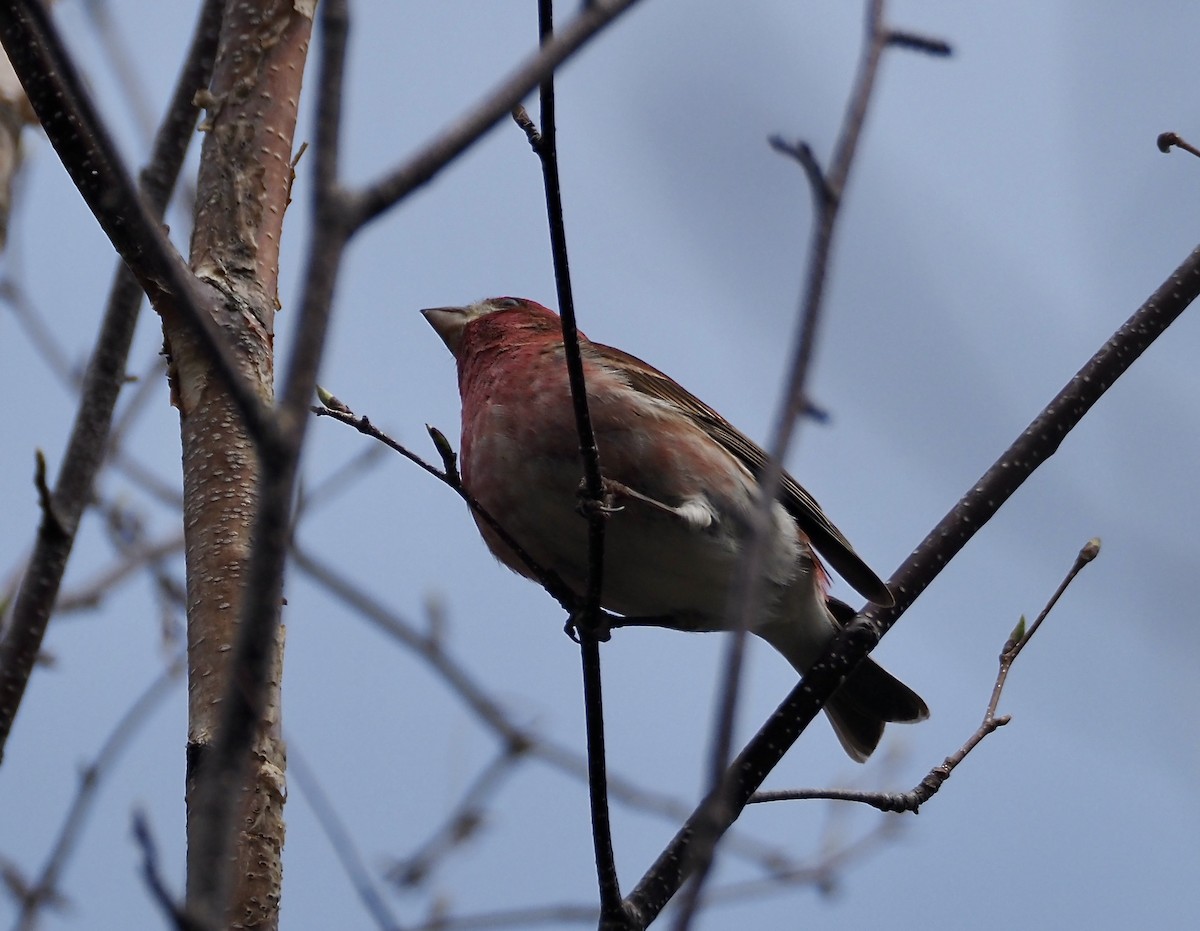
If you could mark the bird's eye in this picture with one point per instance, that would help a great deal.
(506, 303)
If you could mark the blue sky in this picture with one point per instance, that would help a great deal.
(1008, 211)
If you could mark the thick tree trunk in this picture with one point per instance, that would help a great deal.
(244, 186)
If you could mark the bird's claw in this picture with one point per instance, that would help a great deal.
(605, 505)
(601, 632)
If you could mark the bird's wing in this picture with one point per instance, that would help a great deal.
(825, 537)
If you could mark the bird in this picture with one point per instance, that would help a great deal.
(682, 489)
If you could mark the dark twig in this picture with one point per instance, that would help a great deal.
(912, 800)
(547, 151)
(52, 521)
(547, 578)
(180, 920)
(101, 385)
(546, 148)
(915, 42)
(804, 155)
(1036, 444)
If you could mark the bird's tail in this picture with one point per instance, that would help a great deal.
(869, 698)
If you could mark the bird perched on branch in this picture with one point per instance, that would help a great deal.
(682, 488)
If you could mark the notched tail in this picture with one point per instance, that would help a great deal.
(870, 697)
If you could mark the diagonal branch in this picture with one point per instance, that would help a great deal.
(1036, 444)
(98, 393)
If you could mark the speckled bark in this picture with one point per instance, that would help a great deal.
(242, 193)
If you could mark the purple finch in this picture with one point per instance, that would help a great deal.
(683, 486)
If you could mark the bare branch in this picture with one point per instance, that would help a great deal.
(462, 822)
(179, 918)
(548, 579)
(546, 149)
(101, 384)
(90, 594)
(912, 800)
(514, 737)
(468, 128)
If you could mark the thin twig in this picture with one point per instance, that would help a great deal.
(915, 42)
(180, 920)
(341, 479)
(90, 594)
(912, 800)
(589, 454)
(462, 822)
(590, 618)
(547, 578)
(1021, 636)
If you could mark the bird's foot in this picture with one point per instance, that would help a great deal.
(601, 632)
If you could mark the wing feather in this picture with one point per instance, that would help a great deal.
(825, 537)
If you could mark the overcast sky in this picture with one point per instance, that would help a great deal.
(1007, 212)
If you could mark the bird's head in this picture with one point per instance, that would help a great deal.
(491, 321)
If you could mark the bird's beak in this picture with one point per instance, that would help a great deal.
(448, 322)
